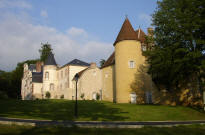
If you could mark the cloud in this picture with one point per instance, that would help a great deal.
(44, 13)
(14, 4)
(73, 31)
(145, 18)
(20, 40)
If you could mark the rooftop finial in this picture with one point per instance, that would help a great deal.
(126, 16)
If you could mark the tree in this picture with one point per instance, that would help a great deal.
(102, 62)
(179, 53)
(44, 51)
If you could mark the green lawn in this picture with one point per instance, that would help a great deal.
(95, 111)
(56, 130)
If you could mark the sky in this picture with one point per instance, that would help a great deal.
(82, 29)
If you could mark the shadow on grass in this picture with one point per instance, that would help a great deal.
(59, 110)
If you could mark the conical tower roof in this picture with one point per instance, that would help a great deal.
(50, 59)
(127, 32)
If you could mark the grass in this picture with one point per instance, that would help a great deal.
(95, 111)
(57, 130)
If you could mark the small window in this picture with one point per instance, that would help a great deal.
(144, 48)
(46, 75)
(51, 86)
(131, 64)
(61, 74)
(65, 72)
(57, 75)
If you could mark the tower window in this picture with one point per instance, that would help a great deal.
(46, 75)
(131, 64)
(51, 86)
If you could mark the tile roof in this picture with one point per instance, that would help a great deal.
(109, 61)
(50, 60)
(37, 77)
(127, 32)
(78, 63)
(140, 35)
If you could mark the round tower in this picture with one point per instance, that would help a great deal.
(128, 57)
(49, 76)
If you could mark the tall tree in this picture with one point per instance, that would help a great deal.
(179, 52)
(44, 51)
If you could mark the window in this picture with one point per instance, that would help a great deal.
(66, 85)
(65, 72)
(144, 48)
(51, 86)
(46, 75)
(131, 64)
(62, 74)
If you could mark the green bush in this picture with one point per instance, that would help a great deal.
(3, 95)
(82, 96)
(98, 96)
(62, 96)
(48, 95)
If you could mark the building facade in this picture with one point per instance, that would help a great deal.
(112, 82)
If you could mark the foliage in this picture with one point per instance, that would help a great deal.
(62, 97)
(44, 51)
(82, 96)
(97, 96)
(95, 111)
(102, 62)
(48, 95)
(10, 82)
(179, 53)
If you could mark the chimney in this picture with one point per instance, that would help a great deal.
(38, 66)
(150, 31)
(93, 65)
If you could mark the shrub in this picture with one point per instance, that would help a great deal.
(48, 95)
(62, 96)
(97, 96)
(3, 95)
(82, 96)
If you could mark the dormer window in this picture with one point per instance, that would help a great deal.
(131, 64)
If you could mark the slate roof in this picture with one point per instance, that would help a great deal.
(50, 60)
(109, 61)
(37, 77)
(31, 67)
(78, 63)
(140, 35)
(126, 33)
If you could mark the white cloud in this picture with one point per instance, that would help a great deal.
(21, 39)
(14, 4)
(145, 18)
(73, 31)
(44, 13)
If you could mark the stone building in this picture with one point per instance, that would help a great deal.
(49, 77)
(110, 83)
(118, 72)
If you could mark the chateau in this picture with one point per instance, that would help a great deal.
(111, 82)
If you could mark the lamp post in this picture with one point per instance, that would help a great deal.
(76, 95)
